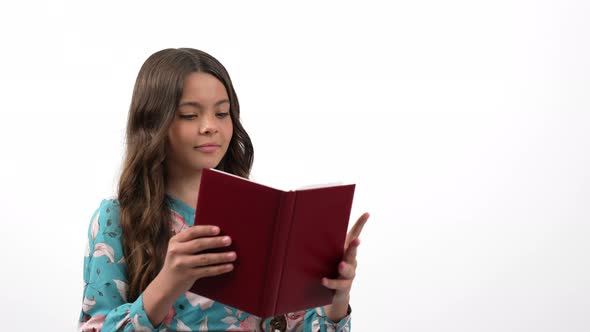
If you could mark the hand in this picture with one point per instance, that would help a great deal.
(184, 264)
(347, 270)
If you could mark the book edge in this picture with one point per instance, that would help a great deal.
(305, 187)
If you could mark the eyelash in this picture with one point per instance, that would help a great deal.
(193, 116)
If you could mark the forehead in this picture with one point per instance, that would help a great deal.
(203, 87)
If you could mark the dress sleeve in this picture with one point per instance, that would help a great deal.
(104, 303)
(312, 320)
(316, 320)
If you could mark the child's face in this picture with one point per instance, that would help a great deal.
(202, 119)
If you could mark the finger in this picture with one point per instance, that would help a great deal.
(210, 259)
(355, 231)
(350, 253)
(200, 244)
(212, 270)
(346, 270)
(196, 232)
(342, 284)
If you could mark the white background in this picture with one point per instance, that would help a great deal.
(464, 124)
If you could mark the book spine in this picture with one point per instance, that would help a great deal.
(277, 253)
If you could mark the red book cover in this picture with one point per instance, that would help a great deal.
(285, 242)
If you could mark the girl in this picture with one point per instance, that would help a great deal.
(143, 251)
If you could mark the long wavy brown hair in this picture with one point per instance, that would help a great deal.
(145, 211)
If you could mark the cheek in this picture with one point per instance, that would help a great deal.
(230, 130)
(183, 134)
(178, 137)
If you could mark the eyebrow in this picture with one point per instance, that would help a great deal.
(198, 105)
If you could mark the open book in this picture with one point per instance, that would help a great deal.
(285, 242)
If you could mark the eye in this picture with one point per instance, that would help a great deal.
(222, 115)
(187, 116)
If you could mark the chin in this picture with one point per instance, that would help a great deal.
(211, 164)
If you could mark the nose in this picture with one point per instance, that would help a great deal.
(207, 126)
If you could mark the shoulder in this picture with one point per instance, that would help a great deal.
(105, 219)
(104, 231)
(108, 205)
(107, 212)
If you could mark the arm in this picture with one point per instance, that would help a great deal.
(346, 271)
(335, 316)
(105, 275)
(312, 320)
(316, 320)
(105, 303)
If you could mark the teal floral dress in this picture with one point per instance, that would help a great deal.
(105, 306)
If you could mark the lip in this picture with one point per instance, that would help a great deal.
(209, 147)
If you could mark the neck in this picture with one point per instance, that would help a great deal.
(183, 184)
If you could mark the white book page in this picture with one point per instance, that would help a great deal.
(307, 187)
(324, 185)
